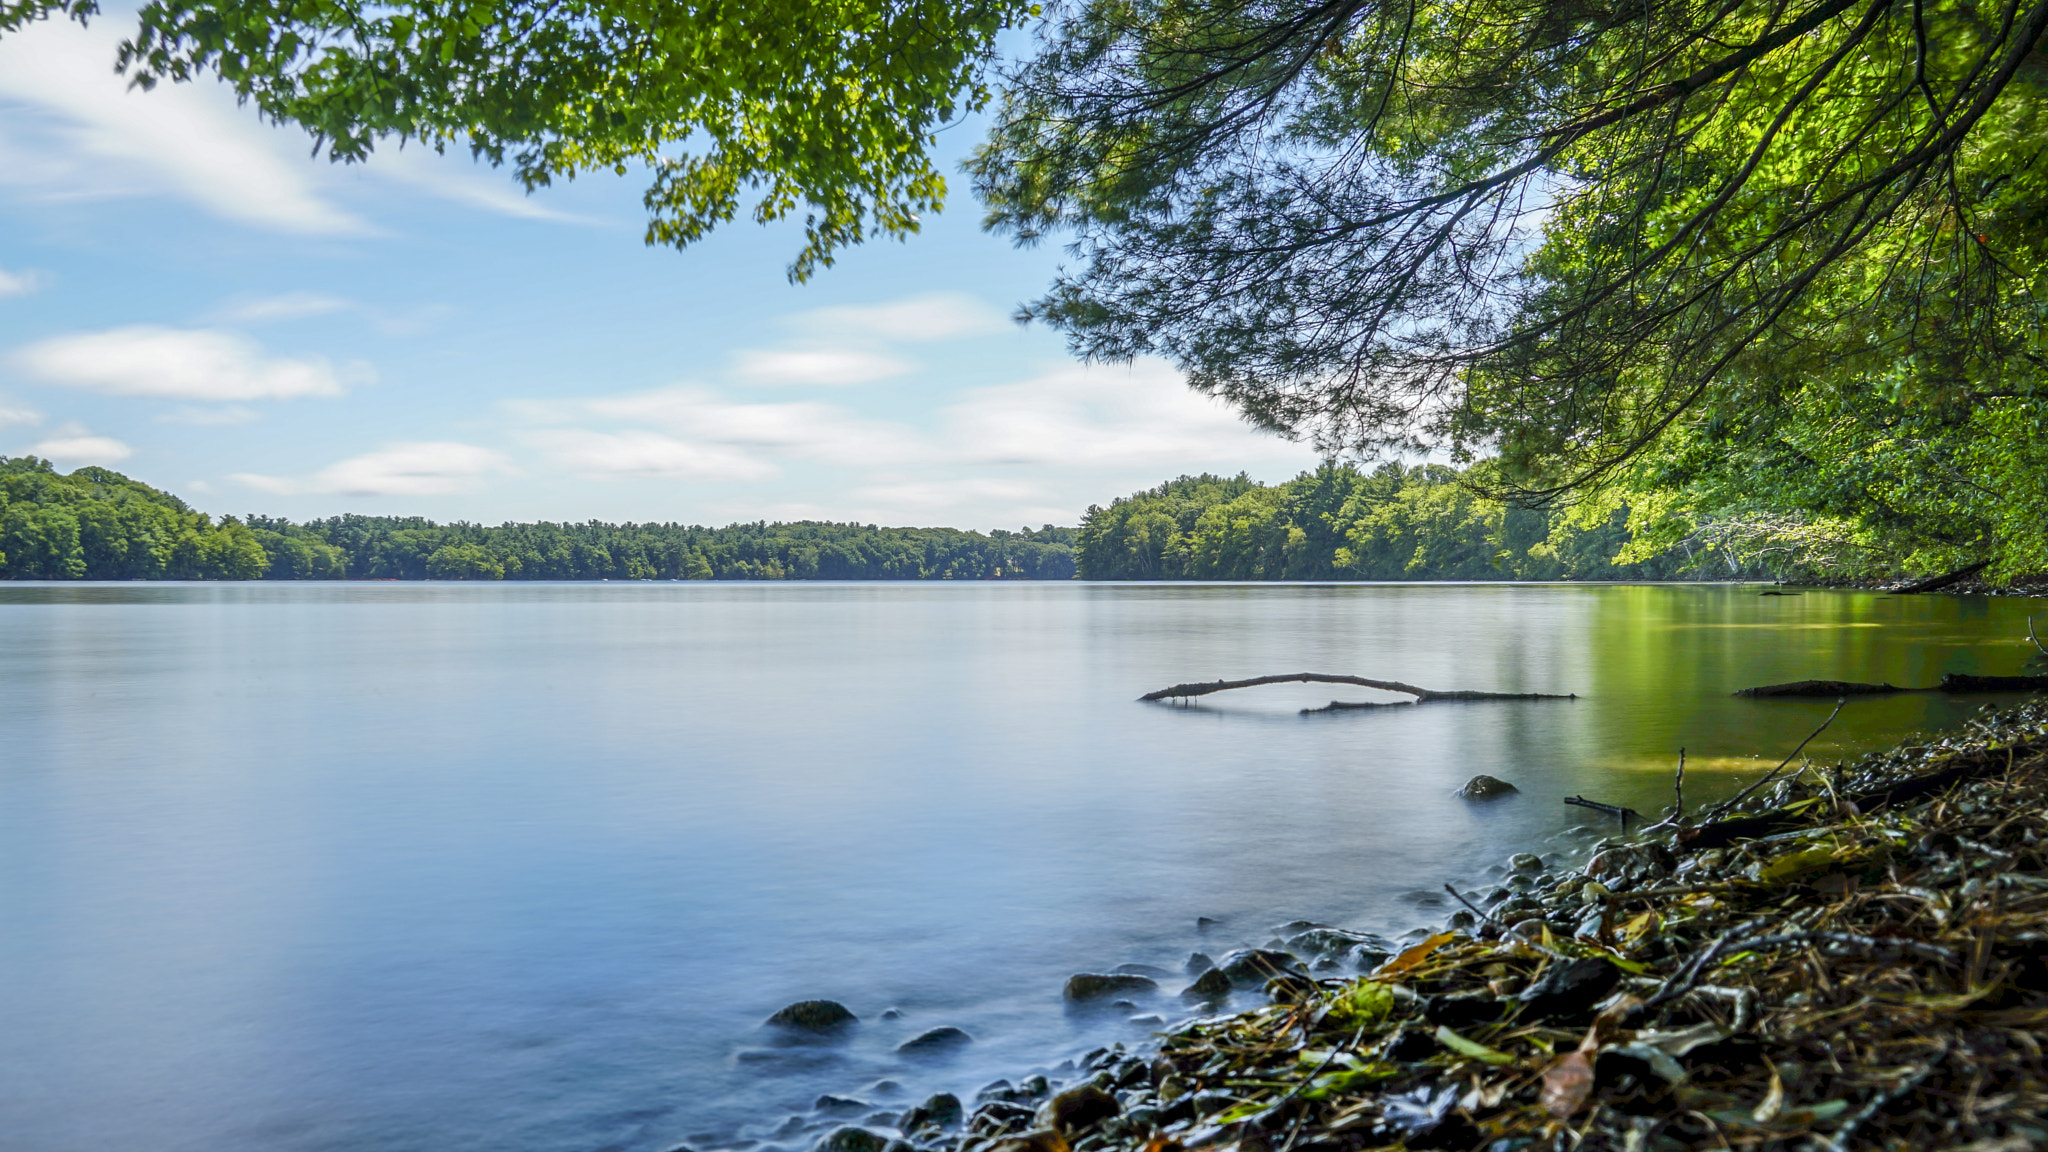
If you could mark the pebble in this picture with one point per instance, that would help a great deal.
(1526, 862)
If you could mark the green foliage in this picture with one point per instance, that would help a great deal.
(96, 524)
(1774, 276)
(99, 525)
(773, 107)
(1337, 523)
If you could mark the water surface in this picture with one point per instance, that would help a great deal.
(523, 866)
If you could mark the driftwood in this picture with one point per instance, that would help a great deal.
(1944, 580)
(1614, 810)
(1422, 695)
(1954, 682)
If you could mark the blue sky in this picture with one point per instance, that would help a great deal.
(188, 296)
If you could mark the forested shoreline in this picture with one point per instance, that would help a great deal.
(96, 524)
(1337, 523)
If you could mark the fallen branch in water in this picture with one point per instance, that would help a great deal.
(1953, 682)
(1422, 695)
(1615, 810)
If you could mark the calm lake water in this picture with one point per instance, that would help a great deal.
(524, 866)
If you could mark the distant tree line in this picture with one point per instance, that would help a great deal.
(95, 524)
(1396, 522)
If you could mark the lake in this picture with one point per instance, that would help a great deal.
(295, 867)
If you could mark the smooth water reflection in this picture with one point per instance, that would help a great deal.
(395, 867)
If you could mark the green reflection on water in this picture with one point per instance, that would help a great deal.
(1665, 660)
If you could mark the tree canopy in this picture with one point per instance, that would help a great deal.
(824, 107)
(1759, 255)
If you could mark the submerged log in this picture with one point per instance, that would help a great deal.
(1828, 689)
(1422, 695)
(1964, 682)
(1954, 682)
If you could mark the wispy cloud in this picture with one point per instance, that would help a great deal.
(287, 306)
(1034, 451)
(74, 445)
(203, 364)
(421, 468)
(16, 414)
(187, 139)
(832, 367)
(228, 414)
(17, 283)
(642, 454)
(937, 316)
(451, 177)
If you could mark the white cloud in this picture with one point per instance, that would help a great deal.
(639, 454)
(211, 417)
(16, 283)
(827, 366)
(189, 139)
(938, 316)
(424, 468)
(177, 364)
(1092, 416)
(450, 177)
(289, 306)
(14, 414)
(73, 445)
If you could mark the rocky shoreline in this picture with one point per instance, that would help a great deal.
(1858, 957)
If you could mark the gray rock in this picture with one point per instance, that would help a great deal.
(839, 1104)
(998, 1117)
(1087, 986)
(1141, 970)
(1077, 1110)
(1252, 967)
(1210, 985)
(817, 1016)
(1484, 787)
(939, 1112)
(1526, 862)
(851, 1139)
(937, 1042)
(1198, 963)
(1329, 943)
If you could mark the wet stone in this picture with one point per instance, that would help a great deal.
(1526, 862)
(937, 1042)
(1198, 963)
(941, 1111)
(1484, 787)
(1087, 986)
(851, 1139)
(1078, 1109)
(1212, 984)
(1252, 967)
(815, 1016)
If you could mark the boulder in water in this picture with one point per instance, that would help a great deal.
(937, 1042)
(816, 1016)
(1085, 986)
(1484, 787)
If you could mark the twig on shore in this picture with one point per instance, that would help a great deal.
(1476, 910)
(1612, 809)
(1732, 801)
(2036, 639)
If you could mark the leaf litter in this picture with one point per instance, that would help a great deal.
(1860, 962)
